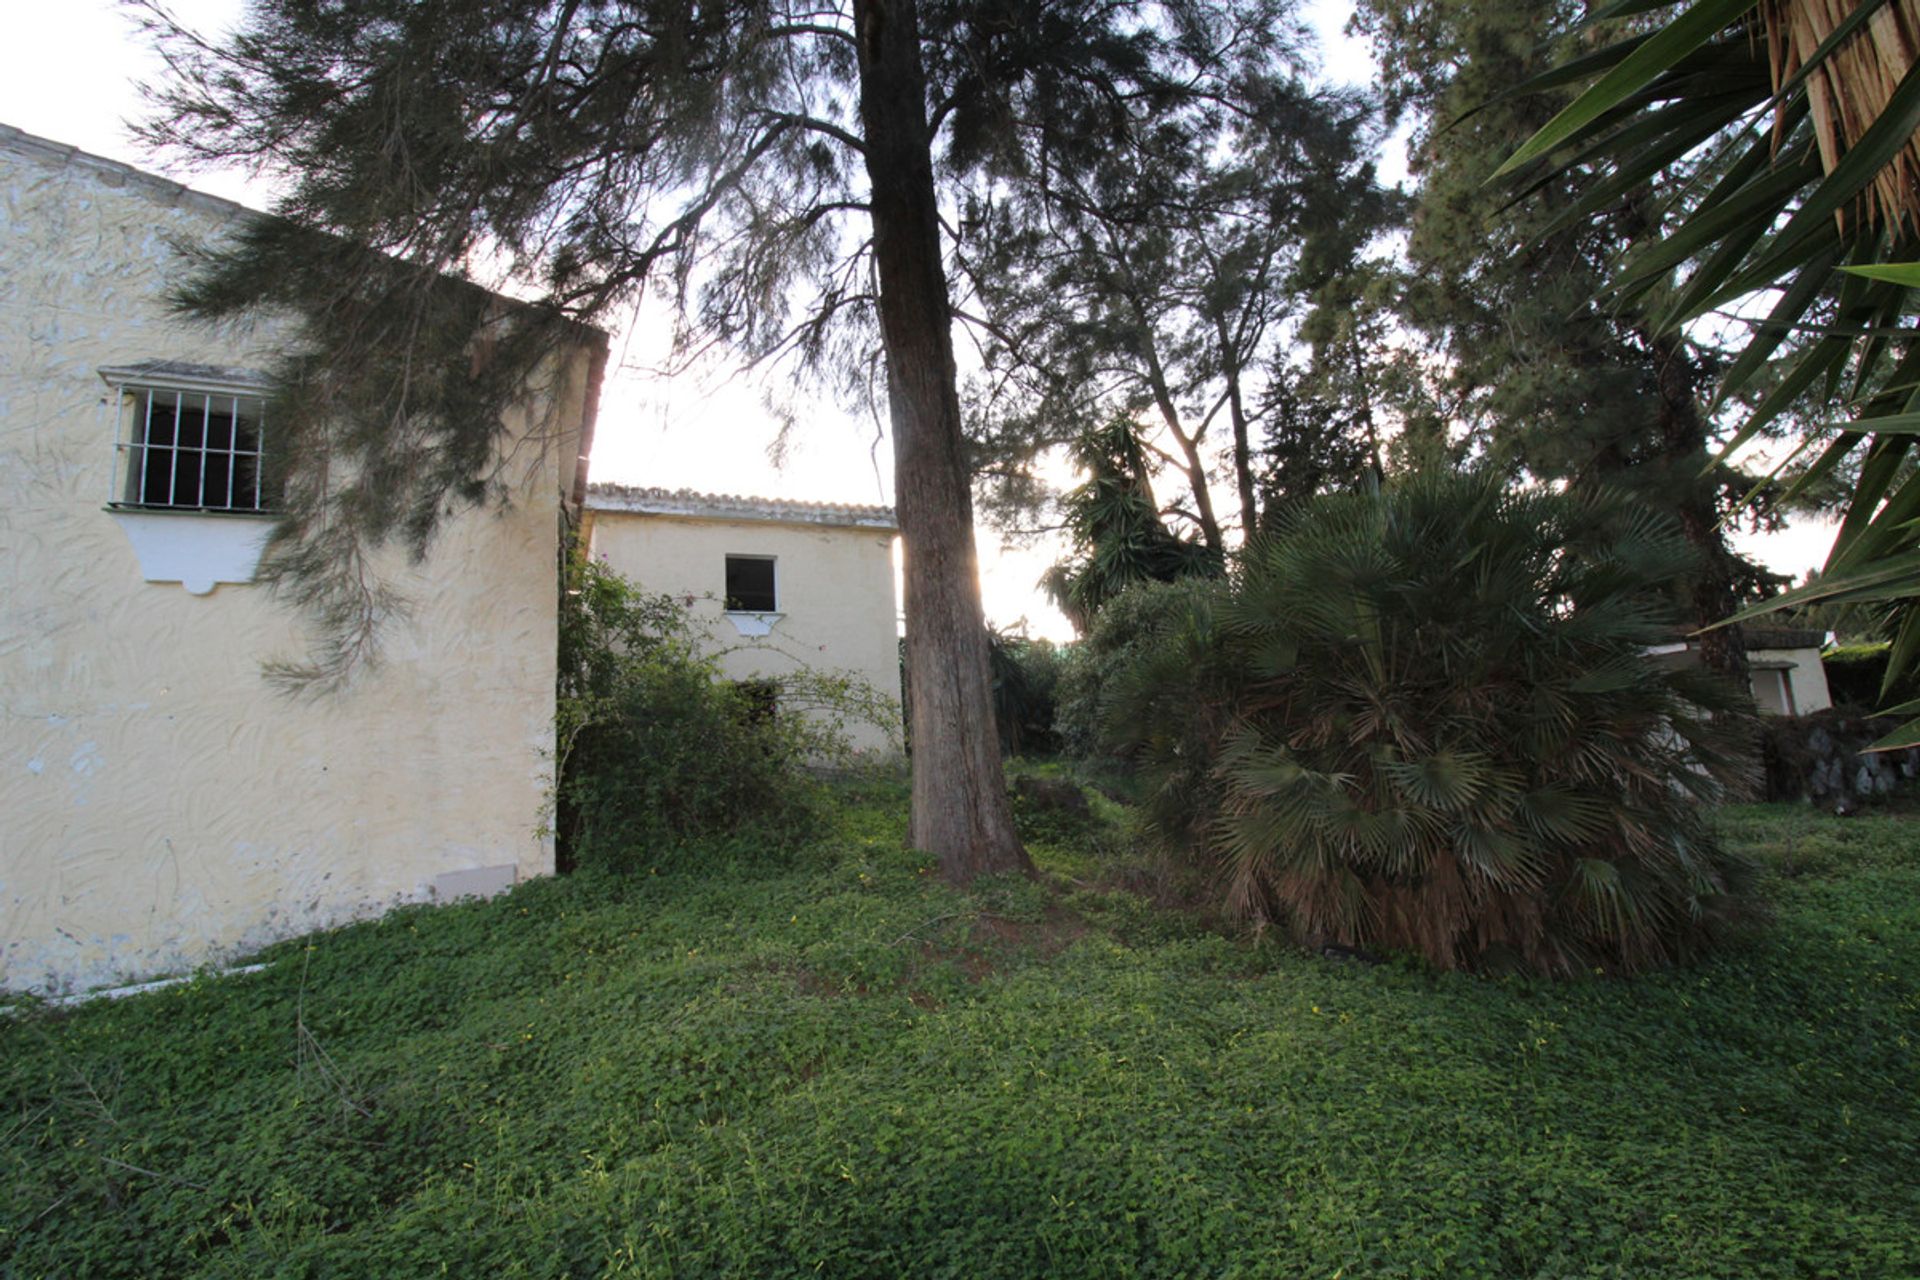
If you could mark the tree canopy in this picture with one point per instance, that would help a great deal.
(1552, 378)
(1783, 140)
(1166, 279)
(774, 167)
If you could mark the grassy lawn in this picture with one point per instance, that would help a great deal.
(840, 1067)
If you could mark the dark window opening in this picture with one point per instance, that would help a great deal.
(750, 584)
(194, 450)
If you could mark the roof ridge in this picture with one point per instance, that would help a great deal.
(64, 154)
(654, 500)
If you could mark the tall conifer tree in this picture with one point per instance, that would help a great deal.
(775, 165)
(1556, 381)
(1163, 279)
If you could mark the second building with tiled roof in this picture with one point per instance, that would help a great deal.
(780, 586)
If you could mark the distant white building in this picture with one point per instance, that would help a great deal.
(1784, 670)
(780, 585)
(160, 804)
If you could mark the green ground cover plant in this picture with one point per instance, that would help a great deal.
(838, 1065)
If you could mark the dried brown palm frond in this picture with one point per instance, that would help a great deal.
(1849, 88)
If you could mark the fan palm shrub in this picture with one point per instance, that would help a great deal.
(1427, 719)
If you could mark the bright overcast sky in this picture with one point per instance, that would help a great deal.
(68, 70)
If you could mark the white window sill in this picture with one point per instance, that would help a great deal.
(197, 549)
(753, 625)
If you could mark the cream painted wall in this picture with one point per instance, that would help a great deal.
(160, 805)
(834, 586)
(1807, 680)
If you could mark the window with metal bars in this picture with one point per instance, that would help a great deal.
(187, 450)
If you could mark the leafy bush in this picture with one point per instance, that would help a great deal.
(1026, 678)
(655, 747)
(1856, 678)
(1121, 632)
(1426, 719)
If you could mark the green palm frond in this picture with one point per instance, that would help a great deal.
(1495, 762)
(1560, 813)
(1783, 138)
(1448, 781)
(1904, 274)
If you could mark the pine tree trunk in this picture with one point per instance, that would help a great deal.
(1189, 445)
(1712, 598)
(1242, 454)
(1683, 436)
(960, 812)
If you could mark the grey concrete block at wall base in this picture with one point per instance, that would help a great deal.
(479, 882)
(1823, 758)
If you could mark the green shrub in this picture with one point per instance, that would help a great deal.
(1425, 719)
(1120, 633)
(656, 748)
(1856, 678)
(1026, 678)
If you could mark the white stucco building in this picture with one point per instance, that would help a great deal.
(778, 585)
(161, 806)
(1784, 669)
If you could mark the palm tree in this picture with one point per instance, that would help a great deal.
(1424, 718)
(1784, 138)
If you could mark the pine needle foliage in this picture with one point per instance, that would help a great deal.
(777, 171)
(395, 409)
(584, 155)
(1425, 719)
(1119, 537)
(1782, 140)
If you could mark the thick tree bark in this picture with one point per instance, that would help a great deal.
(960, 811)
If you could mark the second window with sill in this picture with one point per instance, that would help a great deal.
(752, 595)
(750, 585)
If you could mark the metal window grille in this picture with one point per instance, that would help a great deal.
(191, 450)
